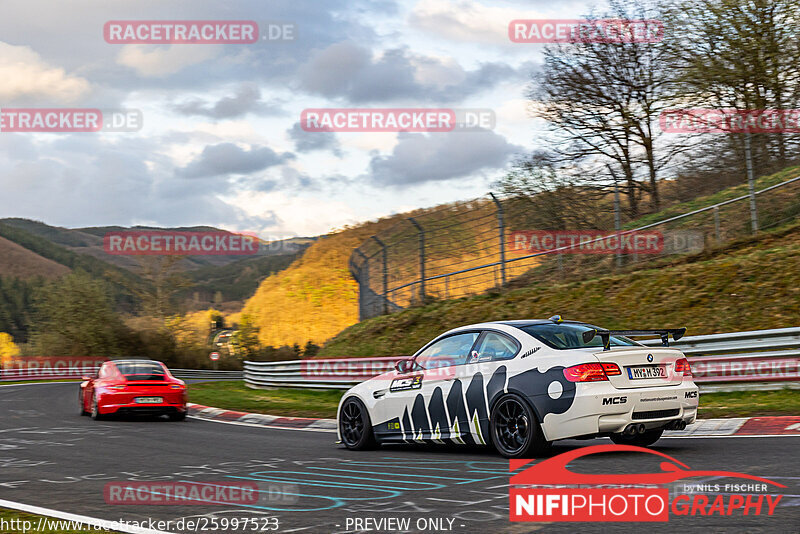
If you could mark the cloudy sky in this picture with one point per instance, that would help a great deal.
(221, 142)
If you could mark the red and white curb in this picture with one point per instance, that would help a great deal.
(208, 413)
(788, 425)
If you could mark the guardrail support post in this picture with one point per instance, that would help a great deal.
(716, 225)
(421, 232)
(385, 269)
(501, 229)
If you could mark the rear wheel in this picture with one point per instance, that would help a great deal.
(355, 427)
(82, 401)
(96, 415)
(514, 429)
(178, 416)
(645, 439)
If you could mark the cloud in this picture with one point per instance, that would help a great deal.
(156, 61)
(246, 99)
(26, 77)
(228, 158)
(349, 70)
(419, 158)
(469, 22)
(309, 141)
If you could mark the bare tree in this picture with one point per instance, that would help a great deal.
(739, 54)
(603, 101)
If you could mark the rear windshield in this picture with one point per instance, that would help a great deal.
(141, 370)
(568, 336)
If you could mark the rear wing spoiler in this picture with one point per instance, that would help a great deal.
(605, 335)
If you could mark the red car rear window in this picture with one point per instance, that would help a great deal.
(141, 370)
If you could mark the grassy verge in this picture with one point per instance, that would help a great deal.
(234, 395)
(15, 522)
(750, 403)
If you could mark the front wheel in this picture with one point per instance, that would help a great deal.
(645, 439)
(514, 429)
(355, 427)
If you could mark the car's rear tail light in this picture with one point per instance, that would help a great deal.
(118, 388)
(176, 386)
(682, 367)
(611, 369)
(585, 372)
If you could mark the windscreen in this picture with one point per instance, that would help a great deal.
(141, 370)
(564, 336)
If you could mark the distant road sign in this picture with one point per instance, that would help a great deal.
(214, 356)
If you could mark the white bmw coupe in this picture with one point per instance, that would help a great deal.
(520, 385)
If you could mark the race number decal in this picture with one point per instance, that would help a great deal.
(403, 384)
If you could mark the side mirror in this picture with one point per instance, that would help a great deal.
(404, 366)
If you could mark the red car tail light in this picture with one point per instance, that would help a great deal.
(176, 386)
(611, 369)
(682, 367)
(118, 388)
(586, 372)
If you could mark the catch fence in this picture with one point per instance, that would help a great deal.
(470, 247)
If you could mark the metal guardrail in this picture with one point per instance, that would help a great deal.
(206, 374)
(758, 359)
(320, 374)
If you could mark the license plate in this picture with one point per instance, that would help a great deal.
(647, 371)
(148, 400)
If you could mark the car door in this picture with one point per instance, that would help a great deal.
(415, 402)
(483, 378)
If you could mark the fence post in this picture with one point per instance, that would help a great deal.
(716, 224)
(385, 275)
(501, 227)
(421, 258)
(617, 223)
(363, 283)
(748, 159)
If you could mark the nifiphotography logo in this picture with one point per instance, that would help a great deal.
(550, 491)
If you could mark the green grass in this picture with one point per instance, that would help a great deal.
(234, 395)
(709, 200)
(750, 403)
(17, 517)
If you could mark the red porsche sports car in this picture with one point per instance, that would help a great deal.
(129, 387)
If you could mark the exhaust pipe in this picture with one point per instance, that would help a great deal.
(640, 429)
(678, 424)
(631, 430)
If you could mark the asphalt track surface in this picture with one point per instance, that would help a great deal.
(52, 457)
